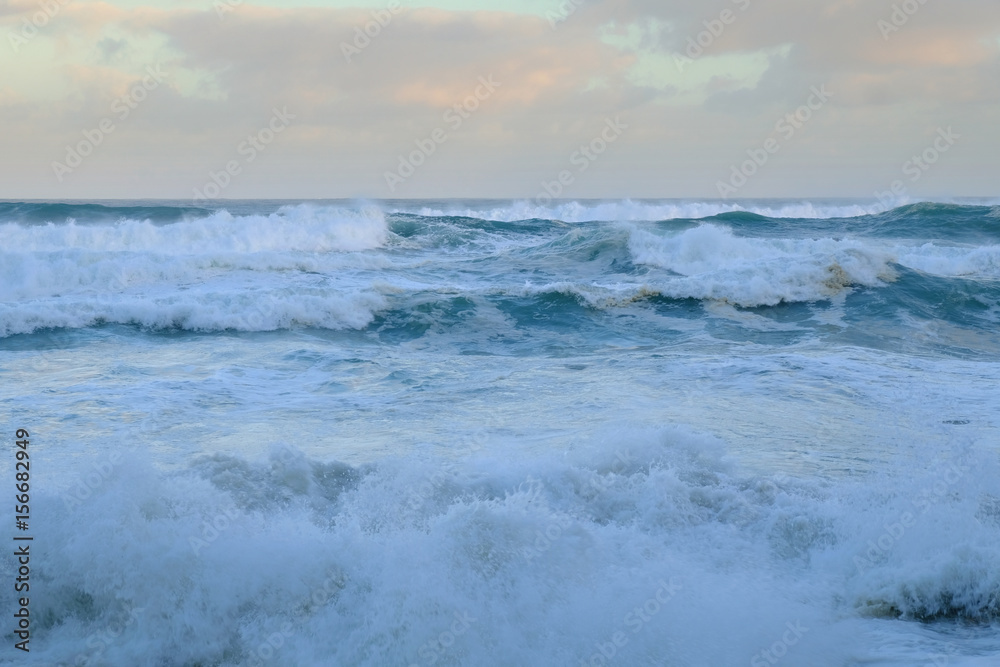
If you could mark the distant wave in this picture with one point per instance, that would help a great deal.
(204, 310)
(213, 273)
(302, 228)
(335, 267)
(627, 210)
(714, 263)
(41, 212)
(643, 211)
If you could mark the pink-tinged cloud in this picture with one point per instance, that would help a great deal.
(361, 104)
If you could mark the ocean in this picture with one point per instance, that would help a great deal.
(411, 433)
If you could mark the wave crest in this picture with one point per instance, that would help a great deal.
(710, 262)
(300, 228)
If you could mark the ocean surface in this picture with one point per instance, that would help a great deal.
(413, 433)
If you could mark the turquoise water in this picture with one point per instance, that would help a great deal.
(488, 433)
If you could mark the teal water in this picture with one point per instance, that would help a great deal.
(377, 421)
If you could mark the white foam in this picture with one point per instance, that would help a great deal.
(628, 210)
(371, 565)
(320, 266)
(301, 228)
(982, 262)
(206, 310)
(244, 273)
(711, 262)
(25, 276)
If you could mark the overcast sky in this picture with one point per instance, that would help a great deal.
(134, 98)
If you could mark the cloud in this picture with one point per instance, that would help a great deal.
(615, 57)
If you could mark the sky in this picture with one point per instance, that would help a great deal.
(575, 99)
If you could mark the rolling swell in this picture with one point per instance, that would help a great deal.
(56, 212)
(404, 276)
(969, 224)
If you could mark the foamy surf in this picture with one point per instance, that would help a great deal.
(273, 433)
(299, 228)
(631, 211)
(644, 533)
(333, 267)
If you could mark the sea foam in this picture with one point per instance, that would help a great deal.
(545, 555)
